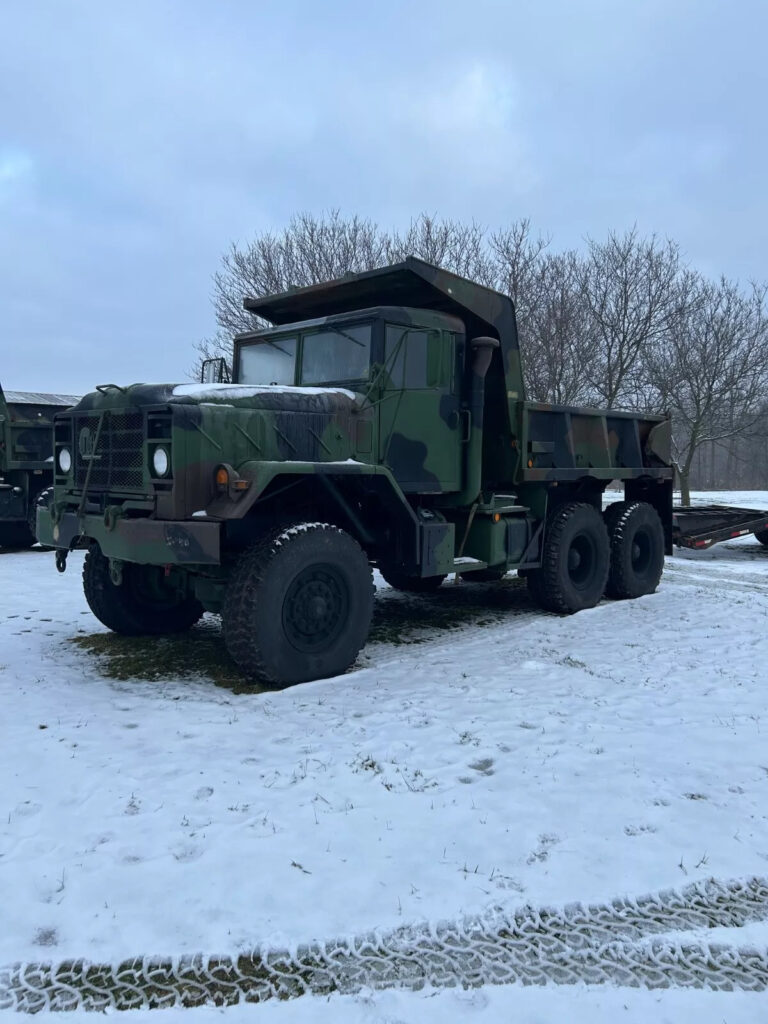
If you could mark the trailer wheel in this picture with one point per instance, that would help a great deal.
(298, 605)
(762, 536)
(411, 584)
(142, 605)
(637, 548)
(575, 561)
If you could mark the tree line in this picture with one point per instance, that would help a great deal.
(624, 322)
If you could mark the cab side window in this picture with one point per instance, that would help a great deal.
(407, 359)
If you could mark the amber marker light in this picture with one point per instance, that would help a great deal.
(222, 477)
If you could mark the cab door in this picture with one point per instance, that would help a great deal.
(419, 412)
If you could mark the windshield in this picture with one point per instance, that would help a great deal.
(268, 362)
(339, 354)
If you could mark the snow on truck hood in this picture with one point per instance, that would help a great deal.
(228, 392)
(266, 397)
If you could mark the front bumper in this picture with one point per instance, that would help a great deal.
(147, 541)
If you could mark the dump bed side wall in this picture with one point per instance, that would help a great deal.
(569, 443)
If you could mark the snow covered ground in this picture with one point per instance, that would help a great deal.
(482, 757)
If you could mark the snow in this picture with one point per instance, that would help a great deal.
(222, 392)
(491, 1005)
(513, 758)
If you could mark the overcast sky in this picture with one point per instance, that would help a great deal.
(138, 139)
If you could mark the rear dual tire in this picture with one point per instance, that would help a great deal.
(762, 537)
(586, 556)
(637, 549)
(575, 561)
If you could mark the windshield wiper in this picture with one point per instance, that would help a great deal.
(283, 350)
(362, 344)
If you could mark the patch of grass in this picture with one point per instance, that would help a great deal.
(198, 653)
(397, 619)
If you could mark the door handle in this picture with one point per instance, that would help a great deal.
(465, 420)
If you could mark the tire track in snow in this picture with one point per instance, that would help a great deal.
(596, 943)
(747, 582)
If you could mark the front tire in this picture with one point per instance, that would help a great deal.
(142, 605)
(575, 561)
(637, 549)
(298, 605)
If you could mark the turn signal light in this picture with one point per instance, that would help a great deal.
(222, 477)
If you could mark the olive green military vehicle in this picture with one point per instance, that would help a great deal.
(381, 421)
(26, 460)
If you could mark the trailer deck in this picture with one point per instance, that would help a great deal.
(701, 526)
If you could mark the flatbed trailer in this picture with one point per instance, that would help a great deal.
(701, 526)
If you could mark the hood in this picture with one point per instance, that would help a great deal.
(265, 397)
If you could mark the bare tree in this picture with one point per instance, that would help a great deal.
(314, 249)
(712, 370)
(311, 249)
(517, 258)
(461, 248)
(630, 295)
(558, 354)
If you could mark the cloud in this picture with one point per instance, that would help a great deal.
(16, 167)
(139, 140)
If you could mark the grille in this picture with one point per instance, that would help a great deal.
(118, 459)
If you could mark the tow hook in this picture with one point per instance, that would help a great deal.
(61, 560)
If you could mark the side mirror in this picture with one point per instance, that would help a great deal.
(215, 371)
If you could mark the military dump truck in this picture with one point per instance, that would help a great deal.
(26, 460)
(380, 421)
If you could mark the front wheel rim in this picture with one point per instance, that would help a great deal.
(315, 608)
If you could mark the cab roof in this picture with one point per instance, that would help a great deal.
(424, 318)
(412, 283)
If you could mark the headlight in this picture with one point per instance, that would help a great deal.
(65, 460)
(161, 461)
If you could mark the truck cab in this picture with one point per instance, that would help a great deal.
(407, 366)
